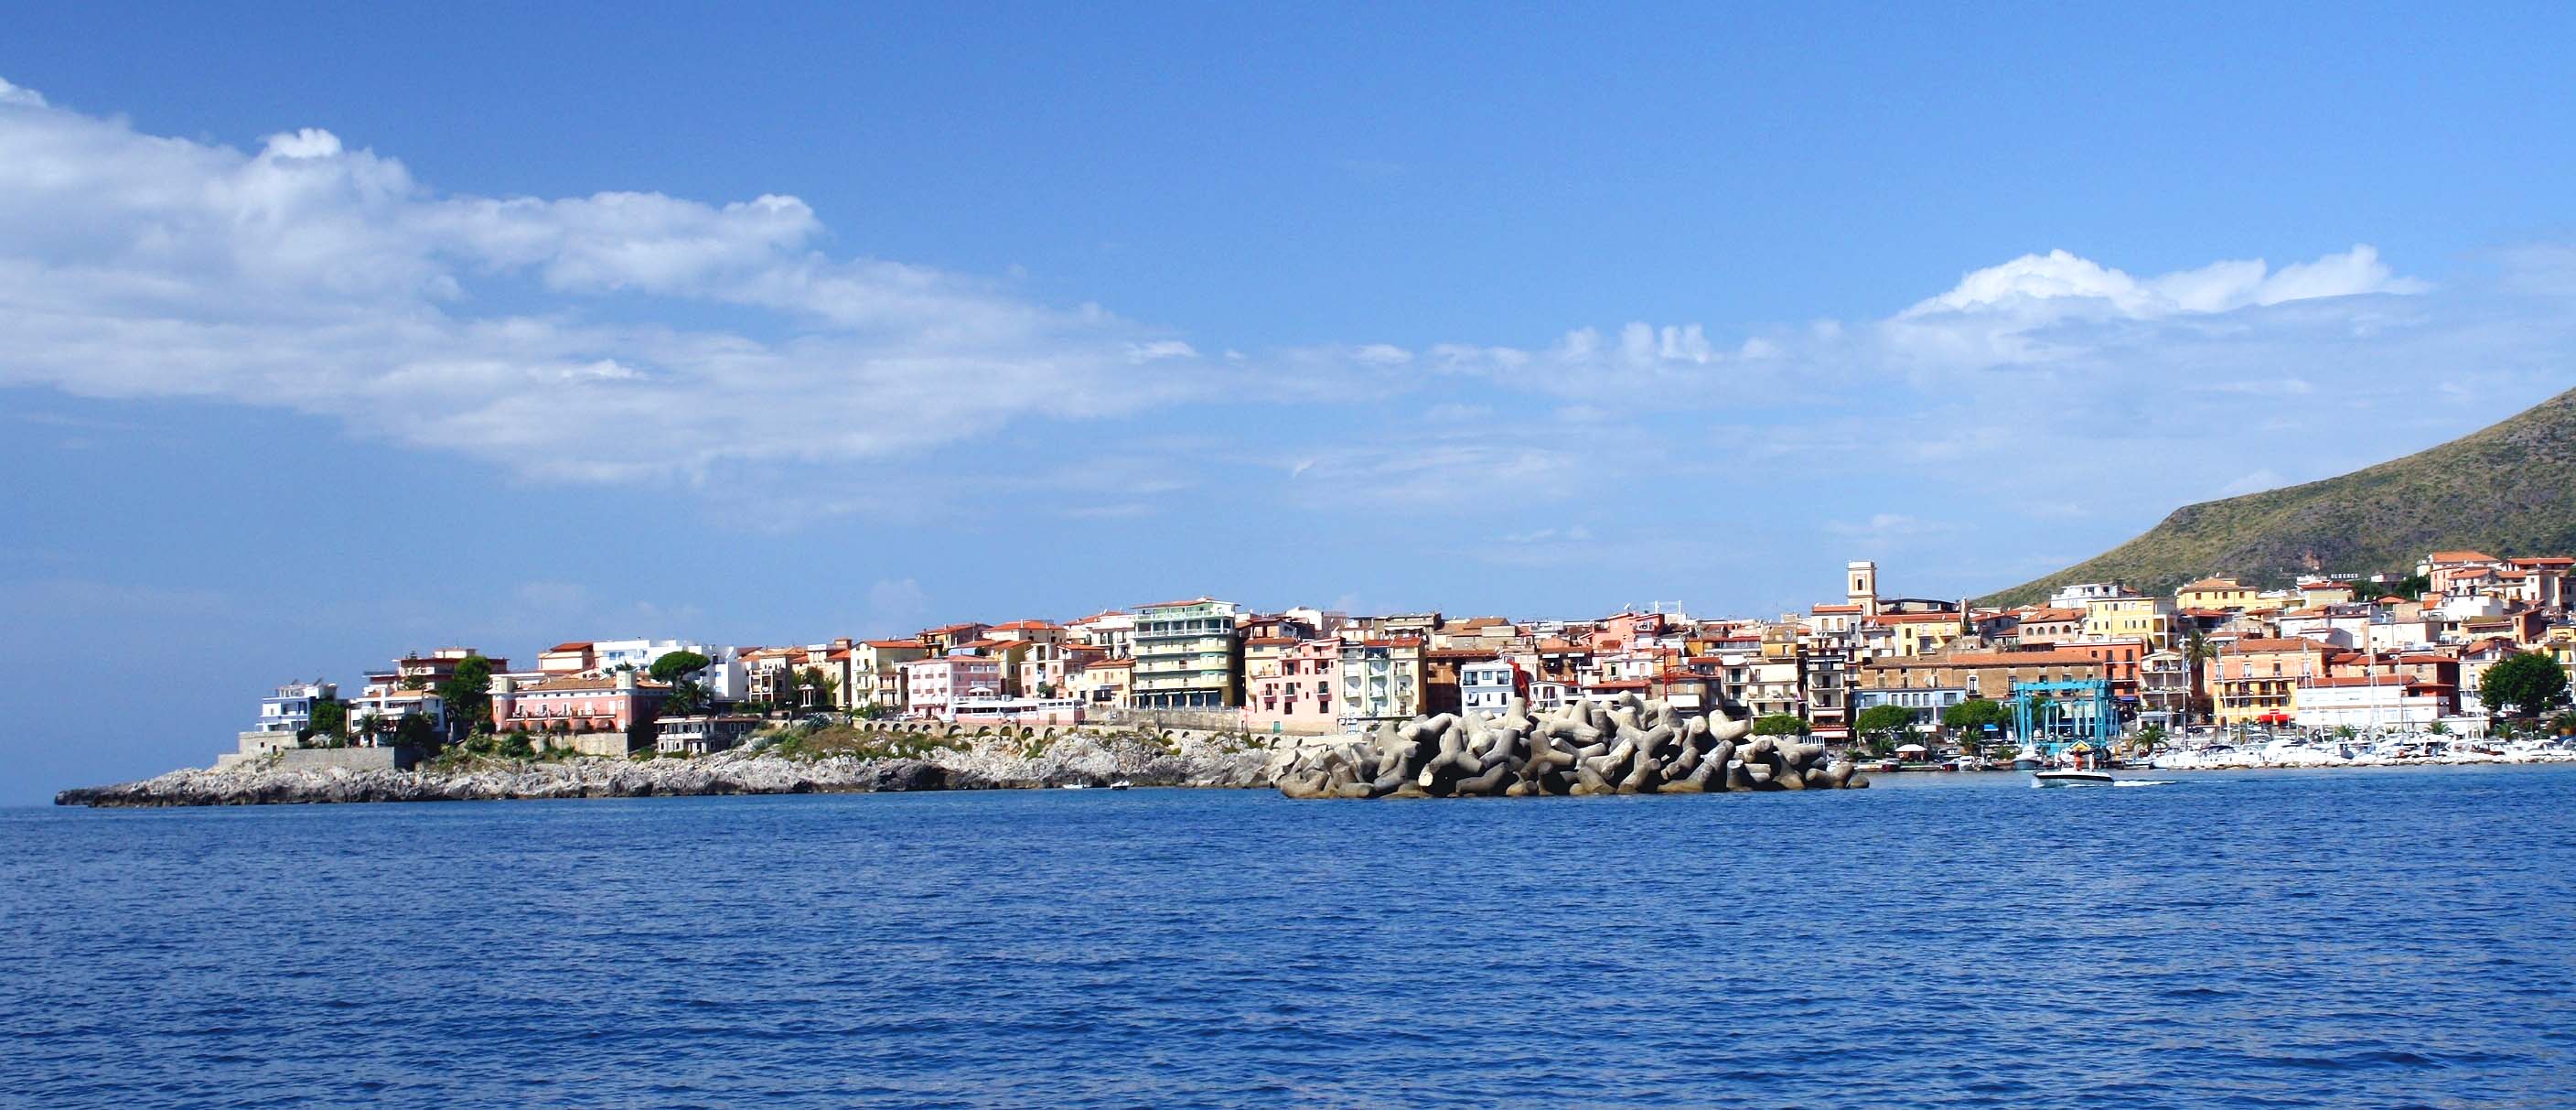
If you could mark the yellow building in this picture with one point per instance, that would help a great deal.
(1188, 656)
(2217, 593)
(1919, 634)
(2124, 618)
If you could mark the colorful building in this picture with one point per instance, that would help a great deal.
(1187, 655)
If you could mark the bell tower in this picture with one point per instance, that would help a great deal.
(1862, 579)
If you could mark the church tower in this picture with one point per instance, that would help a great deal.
(1863, 579)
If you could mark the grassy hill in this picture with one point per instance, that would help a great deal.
(2507, 490)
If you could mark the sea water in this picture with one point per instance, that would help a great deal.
(2287, 939)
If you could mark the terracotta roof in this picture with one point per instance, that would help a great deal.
(2220, 583)
(1099, 663)
(2562, 561)
(1268, 640)
(585, 682)
(1915, 618)
(2286, 643)
(1023, 626)
(1992, 659)
(573, 645)
(2460, 557)
(894, 644)
(951, 628)
(1823, 609)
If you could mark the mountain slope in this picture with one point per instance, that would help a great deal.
(2507, 490)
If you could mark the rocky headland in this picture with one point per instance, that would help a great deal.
(862, 763)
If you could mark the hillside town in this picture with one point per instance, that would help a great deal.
(2094, 661)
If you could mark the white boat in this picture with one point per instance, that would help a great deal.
(2028, 759)
(1077, 786)
(2070, 778)
(1121, 784)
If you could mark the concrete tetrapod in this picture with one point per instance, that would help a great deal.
(1631, 745)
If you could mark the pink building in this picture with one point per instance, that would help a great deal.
(933, 687)
(1288, 685)
(575, 704)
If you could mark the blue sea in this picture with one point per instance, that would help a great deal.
(2295, 939)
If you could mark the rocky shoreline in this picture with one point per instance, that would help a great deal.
(1080, 760)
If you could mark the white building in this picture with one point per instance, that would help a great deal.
(2363, 704)
(389, 707)
(1113, 631)
(1487, 687)
(290, 708)
(1381, 681)
(2080, 595)
(724, 676)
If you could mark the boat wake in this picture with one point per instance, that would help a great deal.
(2144, 782)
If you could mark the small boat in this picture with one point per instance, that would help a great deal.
(2070, 778)
(1077, 786)
(2028, 759)
(1121, 784)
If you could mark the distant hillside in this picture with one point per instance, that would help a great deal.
(2508, 490)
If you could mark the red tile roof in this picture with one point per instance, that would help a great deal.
(2286, 643)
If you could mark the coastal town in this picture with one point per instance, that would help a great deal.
(1872, 670)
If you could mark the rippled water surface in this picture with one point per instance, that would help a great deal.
(2336, 939)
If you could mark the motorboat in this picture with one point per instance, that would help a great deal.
(2028, 759)
(2071, 777)
(1121, 784)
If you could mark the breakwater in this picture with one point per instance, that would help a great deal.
(1631, 746)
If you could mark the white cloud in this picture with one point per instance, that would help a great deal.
(313, 276)
(2218, 287)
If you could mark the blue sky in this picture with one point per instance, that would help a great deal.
(327, 333)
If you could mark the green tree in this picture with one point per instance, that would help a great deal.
(467, 694)
(330, 721)
(1780, 724)
(414, 731)
(2526, 685)
(674, 666)
(2438, 728)
(1971, 717)
(1881, 725)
